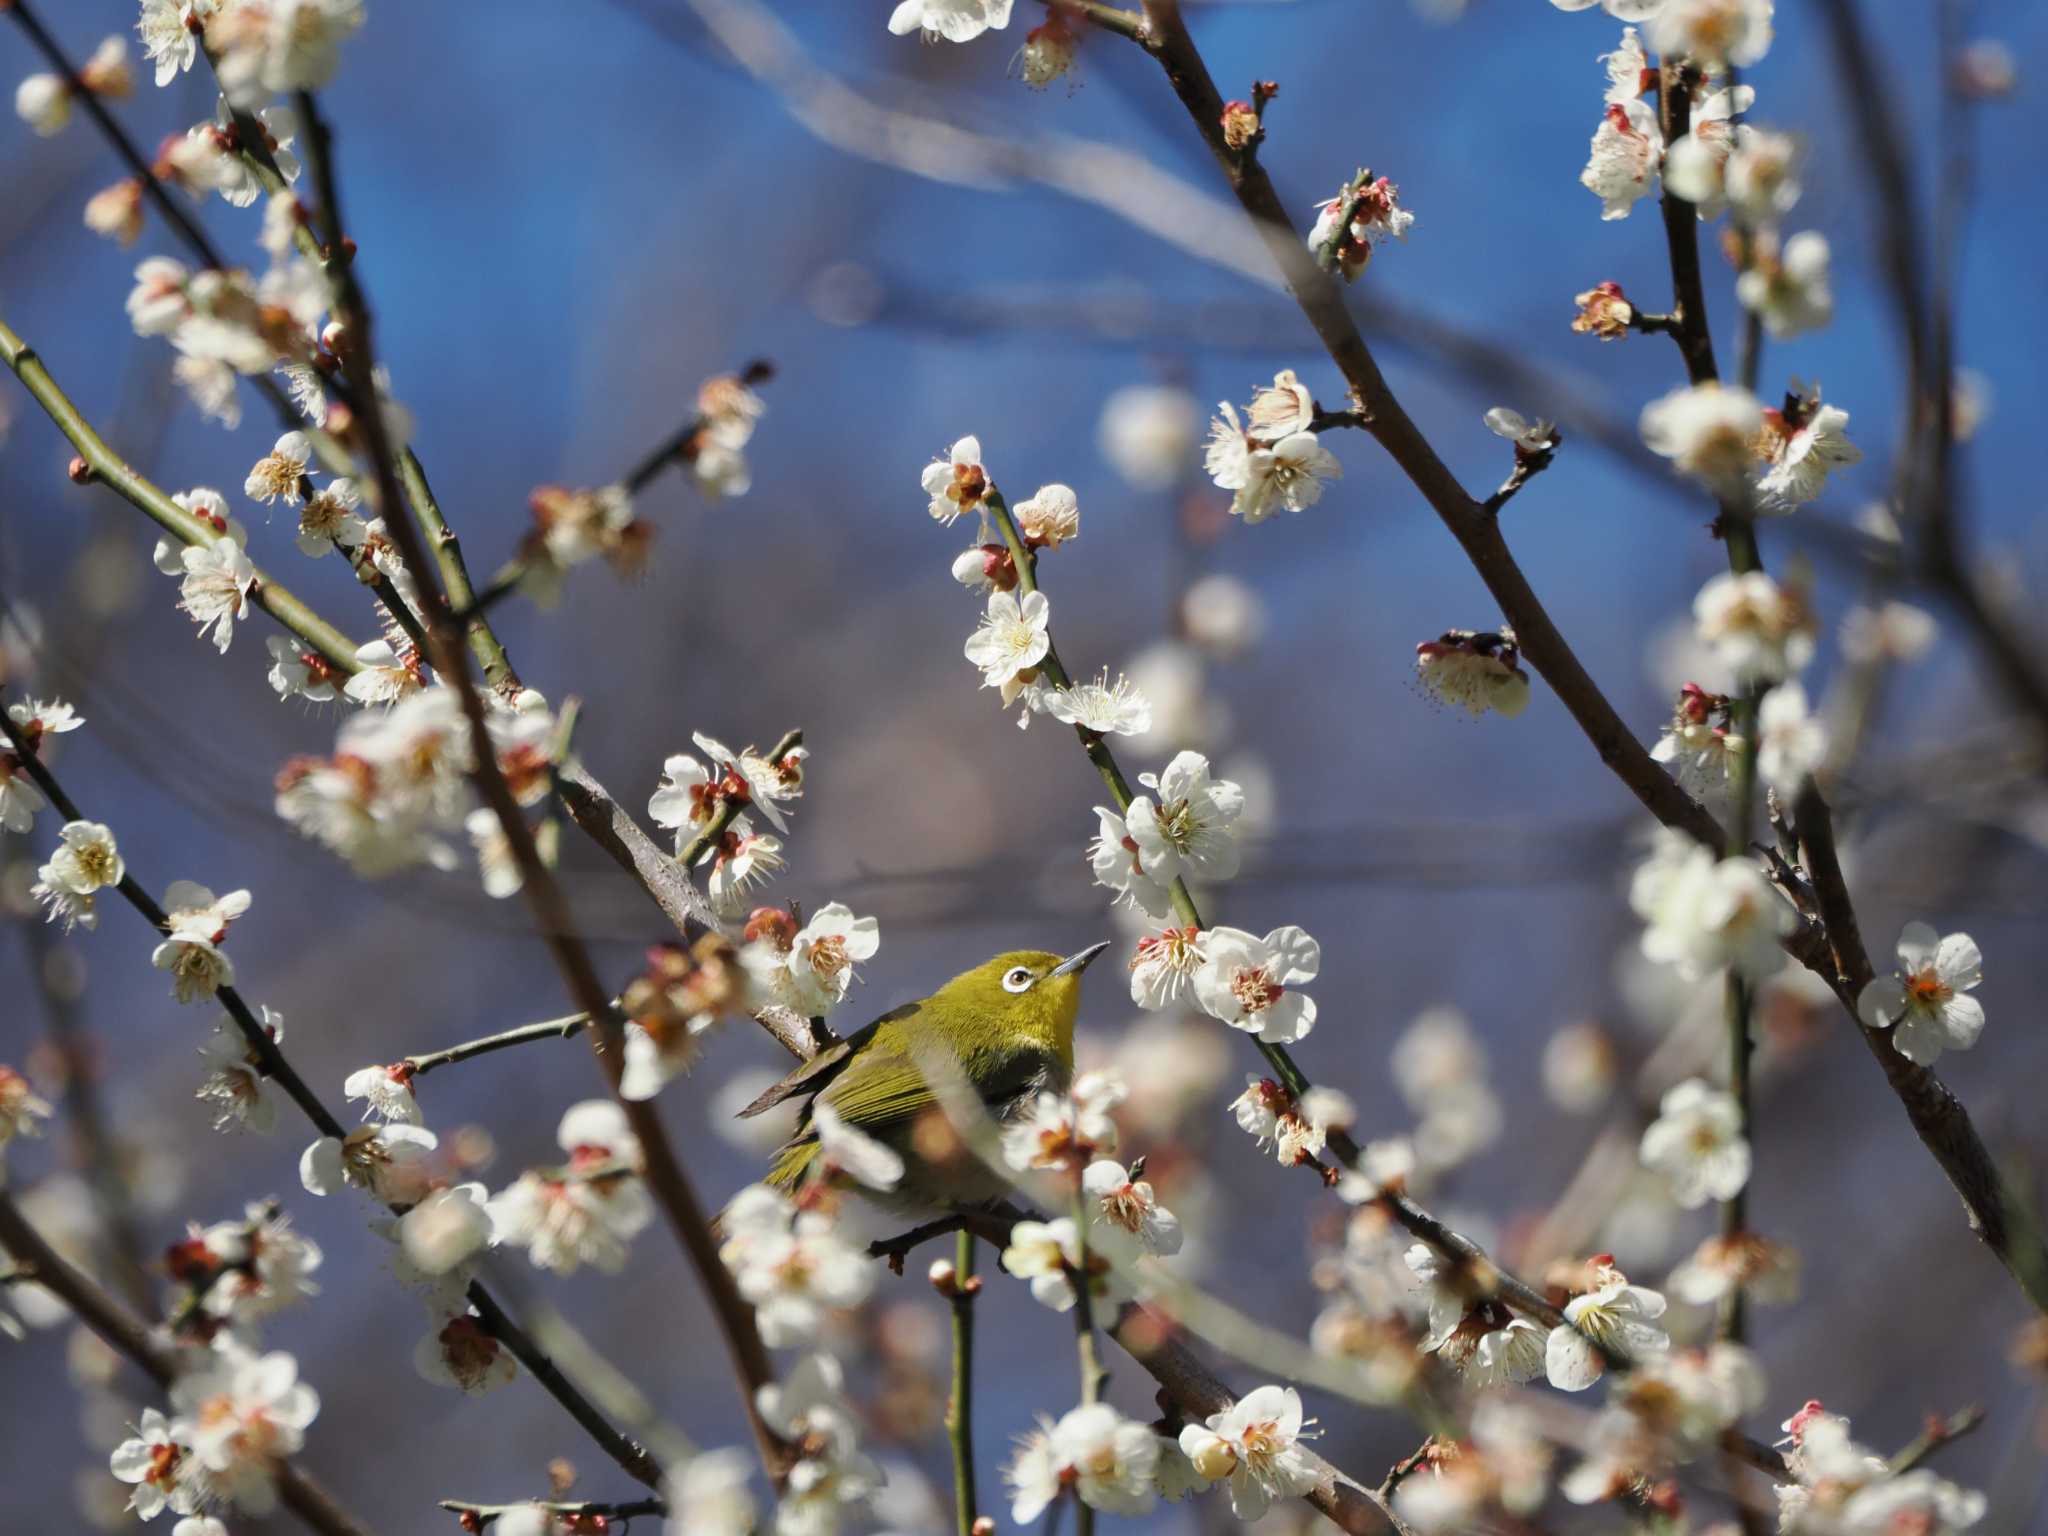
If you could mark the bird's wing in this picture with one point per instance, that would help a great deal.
(811, 1076)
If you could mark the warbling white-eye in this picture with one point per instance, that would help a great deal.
(1008, 1023)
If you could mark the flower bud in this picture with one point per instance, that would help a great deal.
(1241, 124)
(1215, 1458)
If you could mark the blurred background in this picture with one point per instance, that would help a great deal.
(568, 217)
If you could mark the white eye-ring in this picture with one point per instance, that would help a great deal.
(1017, 979)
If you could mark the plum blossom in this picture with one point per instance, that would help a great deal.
(1048, 1255)
(1066, 1130)
(1803, 444)
(1114, 857)
(791, 1266)
(198, 925)
(1103, 707)
(1147, 433)
(390, 1161)
(1711, 33)
(236, 1085)
(1701, 912)
(1164, 966)
(1628, 146)
(215, 591)
(386, 1093)
(957, 482)
(244, 1414)
(84, 863)
(1376, 217)
(1616, 1318)
(158, 1461)
(1188, 827)
(22, 1109)
(1125, 1202)
(1708, 431)
(1604, 312)
(296, 672)
(1049, 518)
(1697, 1143)
(1790, 288)
(1791, 743)
(457, 1352)
(957, 21)
(1475, 670)
(1252, 983)
(1256, 1444)
(1267, 474)
(1760, 630)
(1013, 638)
(1924, 1003)
(808, 1408)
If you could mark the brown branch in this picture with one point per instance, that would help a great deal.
(1687, 322)
(1997, 1213)
(1941, 1122)
(130, 1336)
(663, 1171)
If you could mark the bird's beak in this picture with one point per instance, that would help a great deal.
(1077, 962)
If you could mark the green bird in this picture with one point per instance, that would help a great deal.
(1008, 1023)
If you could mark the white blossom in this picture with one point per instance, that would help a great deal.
(1712, 33)
(215, 591)
(1474, 670)
(957, 21)
(1148, 434)
(1188, 827)
(956, 483)
(84, 863)
(457, 1352)
(236, 1085)
(1164, 967)
(1697, 1143)
(246, 1413)
(1791, 289)
(390, 1161)
(1805, 444)
(1103, 707)
(1703, 912)
(158, 1461)
(707, 1495)
(1791, 743)
(1758, 629)
(1627, 149)
(1708, 431)
(265, 1265)
(1256, 1444)
(1924, 1003)
(1114, 857)
(1050, 517)
(1618, 1318)
(1127, 1204)
(1253, 984)
(296, 672)
(1013, 638)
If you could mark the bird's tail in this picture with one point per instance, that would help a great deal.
(791, 1164)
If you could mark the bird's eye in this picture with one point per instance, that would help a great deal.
(1017, 979)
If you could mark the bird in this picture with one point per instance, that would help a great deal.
(1008, 1023)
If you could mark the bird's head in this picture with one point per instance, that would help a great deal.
(1028, 991)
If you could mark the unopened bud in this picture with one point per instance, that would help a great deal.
(944, 1277)
(1215, 1458)
(984, 1525)
(79, 471)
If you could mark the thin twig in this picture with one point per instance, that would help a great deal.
(109, 468)
(1937, 1433)
(567, 1028)
(960, 1406)
(663, 1171)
